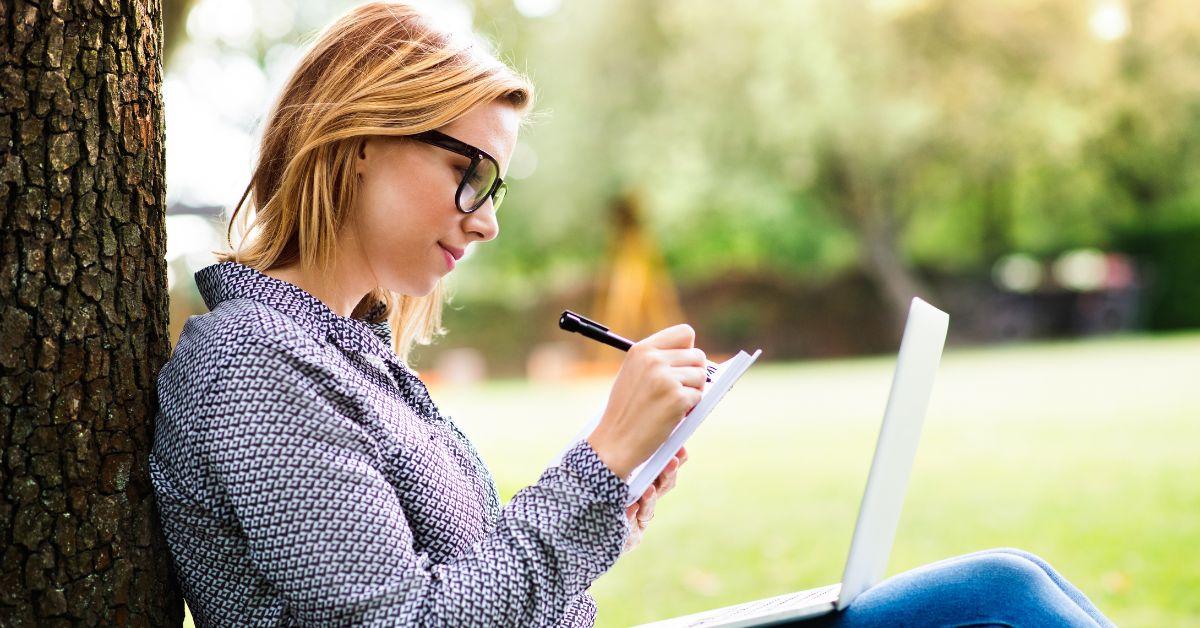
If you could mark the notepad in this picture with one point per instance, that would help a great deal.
(725, 376)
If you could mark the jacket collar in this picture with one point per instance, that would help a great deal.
(224, 281)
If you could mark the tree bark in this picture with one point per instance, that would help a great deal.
(83, 313)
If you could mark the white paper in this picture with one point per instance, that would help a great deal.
(644, 475)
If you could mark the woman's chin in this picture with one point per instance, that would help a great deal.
(414, 289)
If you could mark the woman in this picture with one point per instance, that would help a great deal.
(304, 475)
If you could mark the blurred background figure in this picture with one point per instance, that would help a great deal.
(787, 175)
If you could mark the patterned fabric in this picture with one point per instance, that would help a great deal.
(305, 477)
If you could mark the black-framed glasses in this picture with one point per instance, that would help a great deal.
(481, 179)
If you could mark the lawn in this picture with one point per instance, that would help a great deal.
(1087, 453)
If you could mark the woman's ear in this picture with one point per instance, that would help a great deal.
(361, 162)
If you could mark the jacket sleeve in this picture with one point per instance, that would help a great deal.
(326, 529)
(580, 613)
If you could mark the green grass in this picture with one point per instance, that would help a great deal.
(1087, 453)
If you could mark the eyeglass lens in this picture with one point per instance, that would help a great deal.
(477, 183)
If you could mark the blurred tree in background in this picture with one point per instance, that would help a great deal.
(809, 137)
(882, 144)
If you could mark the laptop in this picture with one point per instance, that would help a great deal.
(912, 383)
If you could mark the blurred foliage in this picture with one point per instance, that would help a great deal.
(1173, 285)
(896, 138)
(806, 137)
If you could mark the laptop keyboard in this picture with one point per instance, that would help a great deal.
(778, 603)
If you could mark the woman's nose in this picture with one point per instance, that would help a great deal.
(481, 224)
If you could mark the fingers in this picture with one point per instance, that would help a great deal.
(672, 465)
(633, 538)
(647, 495)
(687, 365)
(641, 512)
(684, 357)
(666, 480)
(676, 337)
(646, 506)
(691, 376)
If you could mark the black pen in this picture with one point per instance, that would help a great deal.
(570, 321)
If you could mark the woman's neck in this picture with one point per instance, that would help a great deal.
(330, 288)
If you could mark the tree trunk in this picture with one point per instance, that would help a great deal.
(83, 313)
(882, 261)
(997, 214)
(866, 204)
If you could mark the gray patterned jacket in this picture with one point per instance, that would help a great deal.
(304, 476)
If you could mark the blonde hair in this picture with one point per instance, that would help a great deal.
(383, 68)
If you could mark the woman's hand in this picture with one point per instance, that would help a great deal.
(659, 382)
(641, 512)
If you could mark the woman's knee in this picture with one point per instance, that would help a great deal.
(977, 578)
(983, 579)
(1019, 582)
(1015, 551)
(1029, 556)
(984, 587)
(1007, 570)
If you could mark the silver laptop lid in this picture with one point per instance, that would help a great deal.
(912, 383)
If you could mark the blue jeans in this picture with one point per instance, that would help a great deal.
(997, 587)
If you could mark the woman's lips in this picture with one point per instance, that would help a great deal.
(449, 258)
